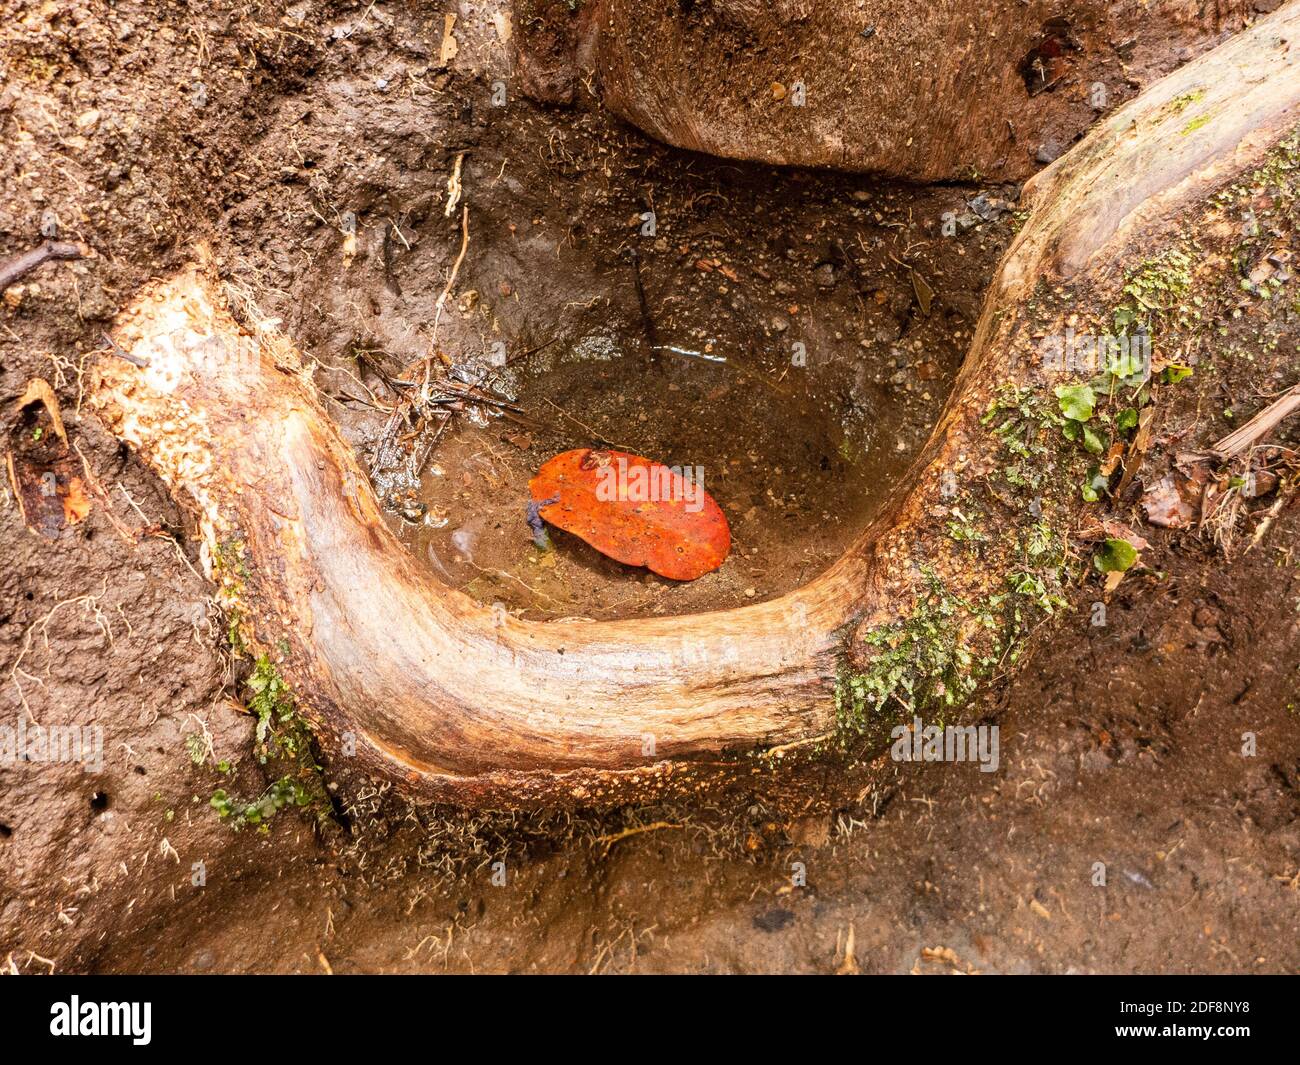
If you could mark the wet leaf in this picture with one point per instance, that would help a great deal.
(924, 293)
(49, 493)
(1167, 505)
(1077, 401)
(636, 511)
(1115, 556)
(1111, 463)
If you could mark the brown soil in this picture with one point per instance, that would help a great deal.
(798, 446)
(260, 131)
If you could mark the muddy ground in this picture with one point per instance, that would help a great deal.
(271, 137)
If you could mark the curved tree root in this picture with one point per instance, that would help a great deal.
(411, 681)
(926, 90)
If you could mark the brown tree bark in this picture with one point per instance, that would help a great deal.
(927, 90)
(412, 681)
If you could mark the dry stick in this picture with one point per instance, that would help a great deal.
(455, 269)
(116, 349)
(1239, 439)
(21, 265)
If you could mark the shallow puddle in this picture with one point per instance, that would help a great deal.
(792, 335)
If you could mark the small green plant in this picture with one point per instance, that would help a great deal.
(272, 704)
(1115, 556)
(963, 530)
(281, 736)
(919, 663)
(1077, 402)
(1156, 289)
(1021, 421)
(284, 792)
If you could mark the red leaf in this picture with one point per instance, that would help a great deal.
(639, 512)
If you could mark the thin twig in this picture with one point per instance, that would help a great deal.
(1239, 439)
(636, 830)
(21, 265)
(455, 269)
(116, 349)
(647, 319)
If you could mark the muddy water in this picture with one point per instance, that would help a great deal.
(798, 432)
(793, 480)
(793, 335)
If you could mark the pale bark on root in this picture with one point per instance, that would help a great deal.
(455, 702)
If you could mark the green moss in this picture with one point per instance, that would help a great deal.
(282, 737)
(1278, 173)
(1021, 419)
(284, 792)
(1156, 292)
(1183, 101)
(963, 529)
(228, 561)
(919, 664)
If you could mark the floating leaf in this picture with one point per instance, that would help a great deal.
(636, 511)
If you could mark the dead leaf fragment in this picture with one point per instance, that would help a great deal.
(449, 44)
(924, 293)
(39, 391)
(50, 496)
(849, 966)
(1165, 503)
